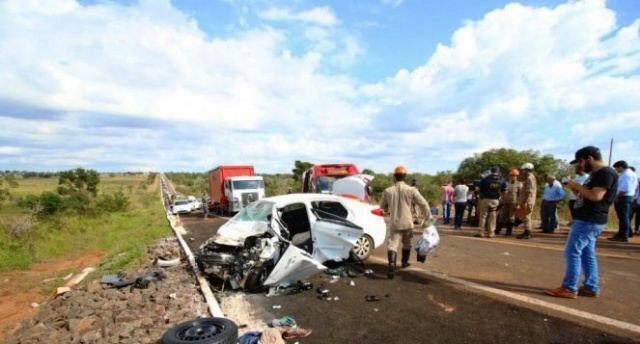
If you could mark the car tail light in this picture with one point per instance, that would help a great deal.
(378, 212)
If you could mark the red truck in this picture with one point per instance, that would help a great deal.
(231, 188)
(320, 178)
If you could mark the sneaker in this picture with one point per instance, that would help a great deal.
(295, 332)
(562, 292)
(523, 236)
(584, 291)
(479, 236)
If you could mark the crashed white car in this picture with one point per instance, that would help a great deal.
(281, 240)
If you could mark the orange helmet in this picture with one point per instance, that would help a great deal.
(400, 170)
(514, 172)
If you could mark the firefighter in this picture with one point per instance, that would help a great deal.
(397, 201)
(509, 202)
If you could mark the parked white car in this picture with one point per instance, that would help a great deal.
(196, 204)
(181, 206)
(304, 230)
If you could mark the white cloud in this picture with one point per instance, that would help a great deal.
(323, 16)
(143, 86)
(523, 69)
(393, 3)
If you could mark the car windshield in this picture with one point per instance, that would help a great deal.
(182, 202)
(248, 184)
(256, 211)
(325, 184)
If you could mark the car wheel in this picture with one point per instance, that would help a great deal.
(363, 247)
(203, 330)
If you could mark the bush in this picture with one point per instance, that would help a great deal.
(47, 203)
(113, 203)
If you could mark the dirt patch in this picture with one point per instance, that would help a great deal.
(24, 290)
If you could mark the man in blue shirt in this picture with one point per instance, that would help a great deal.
(623, 201)
(553, 193)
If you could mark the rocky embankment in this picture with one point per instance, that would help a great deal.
(92, 312)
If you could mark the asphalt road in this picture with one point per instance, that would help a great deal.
(419, 307)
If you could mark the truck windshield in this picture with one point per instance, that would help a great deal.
(325, 184)
(248, 184)
(256, 211)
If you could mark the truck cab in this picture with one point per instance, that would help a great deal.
(232, 187)
(241, 191)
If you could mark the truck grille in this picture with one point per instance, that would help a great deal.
(249, 197)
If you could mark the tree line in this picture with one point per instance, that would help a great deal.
(471, 169)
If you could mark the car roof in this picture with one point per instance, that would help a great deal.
(304, 197)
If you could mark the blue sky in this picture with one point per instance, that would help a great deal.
(163, 85)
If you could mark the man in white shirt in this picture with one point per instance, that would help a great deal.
(627, 183)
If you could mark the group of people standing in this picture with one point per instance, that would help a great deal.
(593, 190)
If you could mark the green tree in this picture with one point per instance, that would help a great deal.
(78, 181)
(300, 167)
(473, 168)
(278, 184)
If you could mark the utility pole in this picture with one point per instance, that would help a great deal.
(610, 151)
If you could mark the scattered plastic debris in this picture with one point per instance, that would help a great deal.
(372, 298)
(505, 253)
(352, 283)
(336, 298)
(277, 306)
(285, 321)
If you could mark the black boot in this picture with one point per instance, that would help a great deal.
(392, 263)
(525, 235)
(498, 228)
(405, 258)
(509, 228)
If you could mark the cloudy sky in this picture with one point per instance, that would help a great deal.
(185, 85)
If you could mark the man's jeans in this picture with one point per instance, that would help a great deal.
(623, 210)
(446, 211)
(457, 220)
(549, 216)
(580, 251)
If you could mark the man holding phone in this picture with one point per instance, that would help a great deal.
(592, 205)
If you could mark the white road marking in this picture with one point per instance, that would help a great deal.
(528, 300)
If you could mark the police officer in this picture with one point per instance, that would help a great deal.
(397, 201)
(509, 202)
(490, 188)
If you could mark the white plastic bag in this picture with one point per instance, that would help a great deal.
(428, 242)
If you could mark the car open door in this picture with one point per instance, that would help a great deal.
(333, 236)
(294, 265)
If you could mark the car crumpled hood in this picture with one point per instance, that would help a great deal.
(233, 233)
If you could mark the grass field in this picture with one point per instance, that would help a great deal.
(122, 236)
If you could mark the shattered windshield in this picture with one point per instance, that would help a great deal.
(256, 211)
(248, 184)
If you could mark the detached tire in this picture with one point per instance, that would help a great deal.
(203, 331)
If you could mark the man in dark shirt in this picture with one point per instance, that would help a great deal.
(591, 211)
(491, 189)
